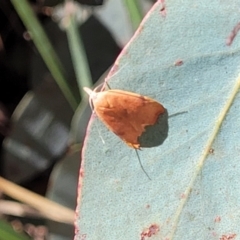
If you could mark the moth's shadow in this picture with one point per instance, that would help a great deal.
(156, 134)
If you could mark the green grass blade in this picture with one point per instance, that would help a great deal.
(134, 12)
(78, 54)
(45, 48)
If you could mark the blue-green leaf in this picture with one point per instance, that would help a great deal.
(185, 56)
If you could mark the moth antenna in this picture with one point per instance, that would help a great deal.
(91, 104)
(97, 87)
(90, 95)
(108, 85)
(141, 164)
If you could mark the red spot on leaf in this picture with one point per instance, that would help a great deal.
(228, 237)
(233, 34)
(163, 11)
(217, 219)
(178, 63)
(81, 173)
(149, 232)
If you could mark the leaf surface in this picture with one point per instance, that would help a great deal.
(180, 57)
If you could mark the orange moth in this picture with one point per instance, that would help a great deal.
(125, 113)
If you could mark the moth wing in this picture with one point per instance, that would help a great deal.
(126, 113)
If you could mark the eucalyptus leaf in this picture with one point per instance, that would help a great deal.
(185, 56)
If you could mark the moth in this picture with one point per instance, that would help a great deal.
(125, 113)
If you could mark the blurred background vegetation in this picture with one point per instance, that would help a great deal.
(49, 50)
